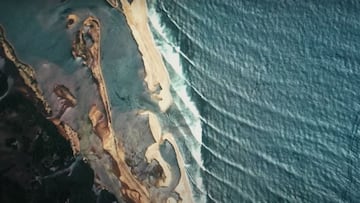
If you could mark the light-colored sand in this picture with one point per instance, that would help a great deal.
(101, 121)
(183, 188)
(153, 151)
(156, 73)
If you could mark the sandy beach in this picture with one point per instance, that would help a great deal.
(86, 45)
(183, 188)
(153, 151)
(156, 75)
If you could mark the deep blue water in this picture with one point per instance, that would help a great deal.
(277, 87)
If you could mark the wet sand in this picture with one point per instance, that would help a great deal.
(100, 115)
(153, 151)
(183, 188)
(156, 77)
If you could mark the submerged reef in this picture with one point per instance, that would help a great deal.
(64, 138)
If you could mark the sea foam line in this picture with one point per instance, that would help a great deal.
(189, 111)
(172, 57)
(171, 54)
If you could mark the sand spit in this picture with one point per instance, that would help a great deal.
(158, 82)
(157, 77)
(86, 46)
(183, 187)
(100, 116)
(153, 151)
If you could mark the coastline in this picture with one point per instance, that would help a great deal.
(153, 152)
(86, 47)
(156, 78)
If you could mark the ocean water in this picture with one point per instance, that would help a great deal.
(276, 90)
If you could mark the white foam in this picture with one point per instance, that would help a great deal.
(172, 56)
(171, 53)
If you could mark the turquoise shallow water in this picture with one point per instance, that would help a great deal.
(276, 84)
(38, 32)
